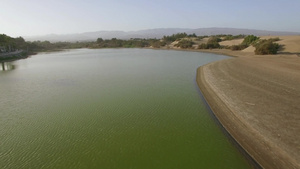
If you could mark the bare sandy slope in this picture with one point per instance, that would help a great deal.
(204, 40)
(249, 49)
(257, 99)
(198, 42)
(231, 42)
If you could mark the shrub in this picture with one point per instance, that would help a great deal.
(184, 44)
(274, 39)
(192, 35)
(212, 43)
(231, 37)
(157, 43)
(214, 39)
(202, 37)
(238, 47)
(250, 40)
(266, 47)
(203, 46)
(174, 37)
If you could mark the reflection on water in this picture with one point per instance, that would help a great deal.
(7, 66)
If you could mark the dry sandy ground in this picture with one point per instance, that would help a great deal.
(290, 43)
(257, 99)
(231, 42)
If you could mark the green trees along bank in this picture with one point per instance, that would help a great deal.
(179, 40)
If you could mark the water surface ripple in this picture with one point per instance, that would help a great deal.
(111, 109)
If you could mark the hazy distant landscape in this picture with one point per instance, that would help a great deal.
(145, 84)
(152, 33)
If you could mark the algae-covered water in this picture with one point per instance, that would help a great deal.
(110, 109)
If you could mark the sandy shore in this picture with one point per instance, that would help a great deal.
(257, 100)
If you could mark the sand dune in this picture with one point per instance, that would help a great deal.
(257, 100)
(291, 44)
(198, 42)
(231, 42)
(249, 49)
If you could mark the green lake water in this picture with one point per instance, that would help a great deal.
(110, 109)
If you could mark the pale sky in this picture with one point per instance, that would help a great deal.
(41, 17)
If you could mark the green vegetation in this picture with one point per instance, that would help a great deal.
(155, 43)
(185, 41)
(118, 43)
(274, 39)
(177, 37)
(231, 37)
(262, 47)
(267, 47)
(174, 37)
(42, 46)
(248, 40)
(212, 43)
(202, 37)
(192, 35)
(185, 44)
(140, 43)
(9, 44)
(12, 48)
(238, 47)
(225, 37)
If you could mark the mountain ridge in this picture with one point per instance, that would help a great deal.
(153, 33)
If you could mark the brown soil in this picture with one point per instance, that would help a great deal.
(257, 100)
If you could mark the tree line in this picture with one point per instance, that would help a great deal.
(9, 44)
(184, 41)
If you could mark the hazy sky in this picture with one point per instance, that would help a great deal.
(40, 17)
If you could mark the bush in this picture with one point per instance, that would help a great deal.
(184, 44)
(250, 40)
(274, 39)
(238, 47)
(266, 47)
(212, 43)
(157, 43)
(192, 35)
(202, 37)
(203, 46)
(214, 39)
(231, 37)
(174, 37)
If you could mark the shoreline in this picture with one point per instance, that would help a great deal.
(253, 163)
(264, 151)
(219, 108)
(267, 152)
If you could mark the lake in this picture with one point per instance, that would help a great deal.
(110, 109)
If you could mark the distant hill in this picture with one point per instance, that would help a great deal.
(152, 33)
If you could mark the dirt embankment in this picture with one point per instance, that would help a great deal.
(257, 99)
